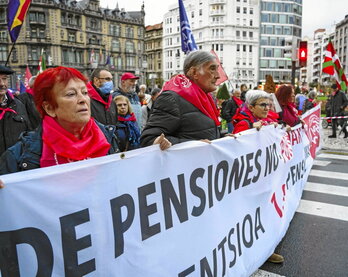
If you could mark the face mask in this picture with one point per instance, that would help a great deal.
(106, 87)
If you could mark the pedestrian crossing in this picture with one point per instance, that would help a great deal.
(331, 181)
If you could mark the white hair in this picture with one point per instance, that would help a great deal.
(253, 95)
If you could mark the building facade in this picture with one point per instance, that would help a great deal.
(153, 50)
(281, 21)
(76, 34)
(230, 28)
(340, 42)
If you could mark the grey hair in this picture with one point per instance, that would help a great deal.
(312, 94)
(32, 81)
(253, 95)
(142, 86)
(197, 58)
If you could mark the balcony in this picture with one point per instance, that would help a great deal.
(217, 12)
(213, 2)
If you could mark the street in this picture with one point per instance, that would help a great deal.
(317, 240)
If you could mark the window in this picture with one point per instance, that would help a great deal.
(130, 62)
(115, 30)
(130, 32)
(237, 34)
(192, 14)
(37, 17)
(250, 34)
(245, 10)
(115, 45)
(238, 47)
(250, 48)
(238, 10)
(244, 48)
(3, 53)
(251, 22)
(129, 47)
(72, 36)
(251, 11)
(244, 34)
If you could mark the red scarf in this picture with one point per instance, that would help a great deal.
(238, 101)
(193, 94)
(96, 96)
(131, 117)
(61, 146)
(4, 110)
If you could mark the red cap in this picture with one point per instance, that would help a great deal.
(128, 75)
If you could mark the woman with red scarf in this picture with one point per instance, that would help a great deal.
(286, 97)
(127, 127)
(255, 113)
(185, 110)
(68, 133)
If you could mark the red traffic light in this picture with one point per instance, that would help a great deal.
(303, 53)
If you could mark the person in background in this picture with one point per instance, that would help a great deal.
(146, 109)
(300, 100)
(103, 109)
(338, 103)
(311, 102)
(185, 110)
(14, 118)
(144, 97)
(127, 88)
(229, 108)
(68, 133)
(243, 89)
(128, 131)
(254, 114)
(28, 100)
(286, 97)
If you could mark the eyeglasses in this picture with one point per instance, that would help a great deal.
(263, 105)
(121, 105)
(106, 79)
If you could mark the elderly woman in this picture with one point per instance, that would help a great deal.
(68, 133)
(255, 112)
(128, 131)
(286, 97)
(185, 110)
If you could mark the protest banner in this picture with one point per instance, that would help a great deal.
(197, 209)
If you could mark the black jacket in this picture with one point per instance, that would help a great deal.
(26, 153)
(338, 103)
(34, 116)
(228, 109)
(13, 124)
(178, 120)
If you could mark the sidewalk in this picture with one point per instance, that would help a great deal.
(338, 144)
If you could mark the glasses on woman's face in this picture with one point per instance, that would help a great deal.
(121, 105)
(264, 105)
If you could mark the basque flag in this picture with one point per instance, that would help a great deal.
(188, 43)
(16, 11)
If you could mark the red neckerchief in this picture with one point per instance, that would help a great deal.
(96, 96)
(30, 91)
(238, 101)
(128, 117)
(61, 146)
(4, 110)
(193, 94)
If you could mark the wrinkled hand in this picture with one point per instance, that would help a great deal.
(2, 185)
(163, 142)
(287, 128)
(257, 125)
(275, 124)
(303, 123)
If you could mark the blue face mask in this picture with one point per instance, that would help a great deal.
(106, 87)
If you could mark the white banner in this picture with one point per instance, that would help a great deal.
(197, 209)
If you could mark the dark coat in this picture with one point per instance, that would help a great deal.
(338, 103)
(178, 120)
(26, 153)
(99, 112)
(228, 109)
(12, 125)
(34, 116)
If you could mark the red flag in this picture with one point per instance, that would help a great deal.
(222, 73)
(333, 67)
(27, 77)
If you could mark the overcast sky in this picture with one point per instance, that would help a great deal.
(316, 13)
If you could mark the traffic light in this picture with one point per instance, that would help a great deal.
(303, 53)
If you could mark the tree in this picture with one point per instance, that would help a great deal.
(223, 93)
(270, 86)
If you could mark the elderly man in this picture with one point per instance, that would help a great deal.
(185, 110)
(338, 103)
(103, 109)
(13, 116)
(127, 88)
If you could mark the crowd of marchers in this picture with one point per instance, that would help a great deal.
(65, 117)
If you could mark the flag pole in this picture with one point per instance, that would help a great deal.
(9, 55)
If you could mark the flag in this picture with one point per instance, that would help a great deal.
(108, 60)
(16, 11)
(188, 43)
(42, 62)
(27, 77)
(22, 88)
(333, 67)
(222, 73)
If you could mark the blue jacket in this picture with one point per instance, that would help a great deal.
(26, 153)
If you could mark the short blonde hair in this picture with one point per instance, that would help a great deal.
(122, 97)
